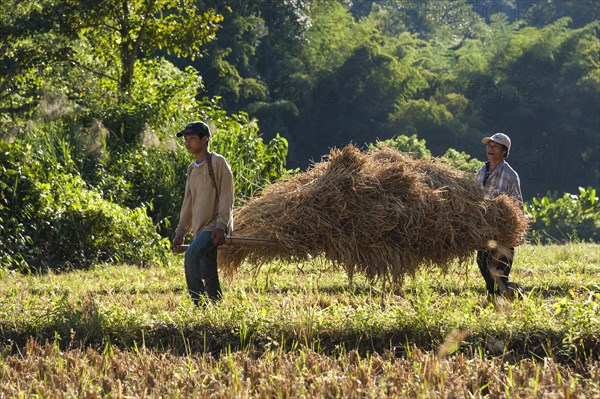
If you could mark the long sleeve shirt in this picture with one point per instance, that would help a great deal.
(503, 179)
(203, 209)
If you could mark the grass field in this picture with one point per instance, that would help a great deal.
(301, 330)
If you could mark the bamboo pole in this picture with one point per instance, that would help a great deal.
(244, 241)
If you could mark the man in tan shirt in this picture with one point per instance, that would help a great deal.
(206, 212)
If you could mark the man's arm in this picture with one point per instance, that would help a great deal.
(514, 189)
(185, 217)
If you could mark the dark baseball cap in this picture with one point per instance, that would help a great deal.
(199, 128)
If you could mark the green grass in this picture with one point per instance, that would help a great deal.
(301, 330)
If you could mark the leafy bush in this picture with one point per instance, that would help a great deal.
(80, 227)
(410, 144)
(151, 176)
(19, 198)
(69, 199)
(566, 218)
(461, 161)
(418, 149)
(254, 163)
(51, 220)
(156, 176)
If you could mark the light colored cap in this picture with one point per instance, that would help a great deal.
(499, 138)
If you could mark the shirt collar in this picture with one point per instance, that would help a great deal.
(500, 165)
(198, 163)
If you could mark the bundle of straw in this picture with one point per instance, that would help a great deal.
(382, 214)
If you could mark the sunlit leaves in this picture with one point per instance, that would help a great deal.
(566, 218)
(53, 220)
(104, 40)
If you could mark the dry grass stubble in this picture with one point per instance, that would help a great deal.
(45, 371)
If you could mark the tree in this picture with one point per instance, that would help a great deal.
(548, 97)
(409, 144)
(105, 41)
(542, 13)
(417, 148)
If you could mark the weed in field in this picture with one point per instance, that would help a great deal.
(302, 330)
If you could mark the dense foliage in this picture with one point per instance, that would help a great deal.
(65, 206)
(566, 218)
(91, 94)
(100, 113)
(418, 149)
(323, 73)
(51, 220)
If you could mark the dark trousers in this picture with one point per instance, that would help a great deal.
(201, 273)
(495, 269)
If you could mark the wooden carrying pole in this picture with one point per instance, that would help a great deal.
(236, 241)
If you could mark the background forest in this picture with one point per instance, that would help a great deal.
(91, 93)
(323, 73)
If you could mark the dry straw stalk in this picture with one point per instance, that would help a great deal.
(382, 214)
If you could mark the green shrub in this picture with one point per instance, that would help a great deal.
(80, 227)
(254, 163)
(151, 176)
(51, 220)
(461, 161)
(156, 176)
(566, 218)
(410, 144)
(418, 149)
(19, 198)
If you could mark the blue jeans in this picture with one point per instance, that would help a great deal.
(201, 273)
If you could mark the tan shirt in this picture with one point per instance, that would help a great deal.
(200, 210)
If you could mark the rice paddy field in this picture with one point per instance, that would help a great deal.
(302, 330)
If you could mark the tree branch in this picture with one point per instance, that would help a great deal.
(97, 73)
